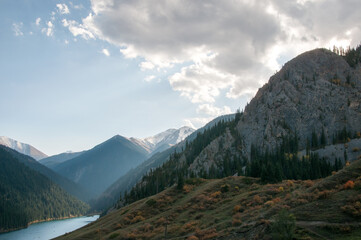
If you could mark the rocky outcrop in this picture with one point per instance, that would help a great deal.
(316, 90)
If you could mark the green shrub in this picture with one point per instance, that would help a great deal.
(151, 202)
(113, 235)
(284, 226)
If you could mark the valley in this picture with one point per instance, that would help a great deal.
(292, 156)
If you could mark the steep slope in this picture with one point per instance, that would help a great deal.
(66, 184)
(126, 182)
(163, 140)
(316, 90)
(53, 161)
(98, 168)
(27, 196)
(314, 98)
(22, 148)
(239, 208)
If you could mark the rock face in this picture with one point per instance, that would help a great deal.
(314, 91)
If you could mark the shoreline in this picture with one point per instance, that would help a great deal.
(40, 221)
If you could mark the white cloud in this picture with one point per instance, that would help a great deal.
(146, 66)
(213, 111)
(49, 31)
(63, 8)
(197, 122)
(106, 52)
(78, 29)
(224, 46)
(37, 21)
(17, 29)
(149, 78)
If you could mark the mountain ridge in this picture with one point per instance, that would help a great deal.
(23, 148)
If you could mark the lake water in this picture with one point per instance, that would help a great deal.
(48, 230)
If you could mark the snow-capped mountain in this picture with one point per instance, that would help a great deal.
(22, 148)
(163, 140)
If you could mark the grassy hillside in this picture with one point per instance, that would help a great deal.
(239, 207)
(27, 195)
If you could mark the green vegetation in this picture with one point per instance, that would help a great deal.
(284, 226)
(175, 170)
(284, 163)
(353, 56)
(27, 196)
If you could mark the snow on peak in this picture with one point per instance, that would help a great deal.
(22, 148)
(164, 139)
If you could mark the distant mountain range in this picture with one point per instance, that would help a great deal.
(97, 168)
(22, 148)
(53, 161)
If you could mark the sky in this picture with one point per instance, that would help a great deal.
(75, 73)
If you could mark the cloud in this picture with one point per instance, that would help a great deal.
(197, 122)
(225, 47)
(78, 29)
(49, 30)
(63, 8)
(213, 111)
(37, 21)
(106, 52)
(146, 66)
(149, 78)
(17, 29)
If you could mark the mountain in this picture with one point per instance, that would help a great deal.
(314, 98)
(28, 196)
(97, 168)
(53, 161)
(163, 140)
(274, 138)
(22, 148)
(240, 208)
(128, 180)
(66, 184)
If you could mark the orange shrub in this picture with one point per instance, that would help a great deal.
(355, 149)
(257, 199)
(192, 238)
(276, 200)
(358, 135)
(137, 218)
(216, 194)
(281, 189)
(189, 226)
(187, 188)
(290, 183)
(207, 234)
(349, 185)
(308, 183)
(236, 208)
(236, 219)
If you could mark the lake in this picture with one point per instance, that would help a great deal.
(48, 230)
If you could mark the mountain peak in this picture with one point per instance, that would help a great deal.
(163, 140)
(23, 148)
